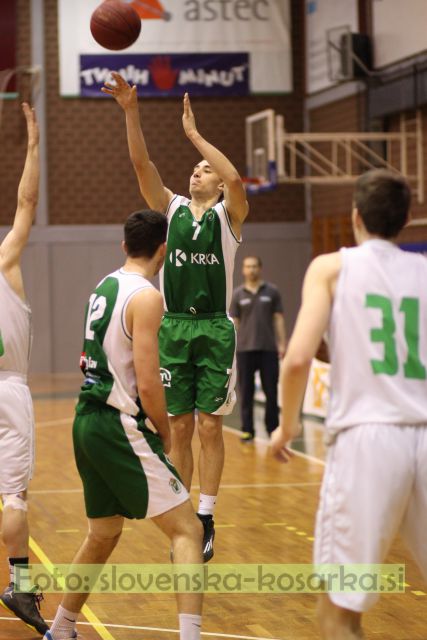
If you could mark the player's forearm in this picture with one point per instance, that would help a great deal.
(153, 402)
(219, 163)
(137, 147)
(293, 381)
(28, 190)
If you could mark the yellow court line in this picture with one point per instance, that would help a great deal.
(418, 593)
(86, 611)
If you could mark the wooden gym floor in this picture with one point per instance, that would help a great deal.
(265, 514)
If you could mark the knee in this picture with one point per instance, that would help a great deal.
(191, 528)
(105, 540)
(210, 429)
(17, 501)
(182, 432)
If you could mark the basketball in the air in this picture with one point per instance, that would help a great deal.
(115, 25)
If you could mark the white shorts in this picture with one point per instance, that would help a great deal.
(375, 485)
(16, 437)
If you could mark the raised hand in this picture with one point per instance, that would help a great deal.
(32, 126)
(188, 119)
(122, 92)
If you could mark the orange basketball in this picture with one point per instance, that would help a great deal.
(115, 25)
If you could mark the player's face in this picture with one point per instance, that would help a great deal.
(204, 182)
(251, 269)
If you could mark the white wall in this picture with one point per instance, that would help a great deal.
(399, 30)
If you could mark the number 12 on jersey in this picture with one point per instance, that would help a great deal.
(96, 310)
(410, 309)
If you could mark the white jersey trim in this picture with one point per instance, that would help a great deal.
(227, 217)
(125, 305)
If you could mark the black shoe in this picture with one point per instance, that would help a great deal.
(25, 606)
(247, 437)
(208, 536)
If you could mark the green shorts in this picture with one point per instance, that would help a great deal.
(122, 465)
(198, 363)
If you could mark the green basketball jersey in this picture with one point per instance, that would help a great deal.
(107, 357)
(197, 276)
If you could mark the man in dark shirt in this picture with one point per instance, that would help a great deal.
(256, 308)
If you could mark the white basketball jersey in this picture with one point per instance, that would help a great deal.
(378, 338)
(15, 330)
(107, 358)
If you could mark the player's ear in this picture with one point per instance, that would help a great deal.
(356, 218)
(124, 247)
(162, 250)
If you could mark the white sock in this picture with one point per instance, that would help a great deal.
(189, 626)
(206, 505)
(64, 624)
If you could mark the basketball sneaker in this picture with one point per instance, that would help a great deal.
(25, 606)
(208, 536)
(49, 636)
(247, 437)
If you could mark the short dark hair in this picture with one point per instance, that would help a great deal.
(382, 199)
(257, 258)
(144, 232)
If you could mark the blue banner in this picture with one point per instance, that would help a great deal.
(207, 74)
(416, 247)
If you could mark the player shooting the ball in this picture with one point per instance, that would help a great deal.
(197, 337)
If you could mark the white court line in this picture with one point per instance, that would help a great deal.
(281, 485)
(64, 421)
(47, 491)
(267, 485)
(160, 629)
(163, 630)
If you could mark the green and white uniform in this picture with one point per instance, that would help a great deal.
(121, 462)
(197, 337)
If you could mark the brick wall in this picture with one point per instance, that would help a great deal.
(90, 178)
(331, 205)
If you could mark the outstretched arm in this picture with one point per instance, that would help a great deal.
(28, 192)
(151, 186)
(312, 321)
(234, 191)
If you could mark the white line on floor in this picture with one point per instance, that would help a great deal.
(158, 629)
(266, 485)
